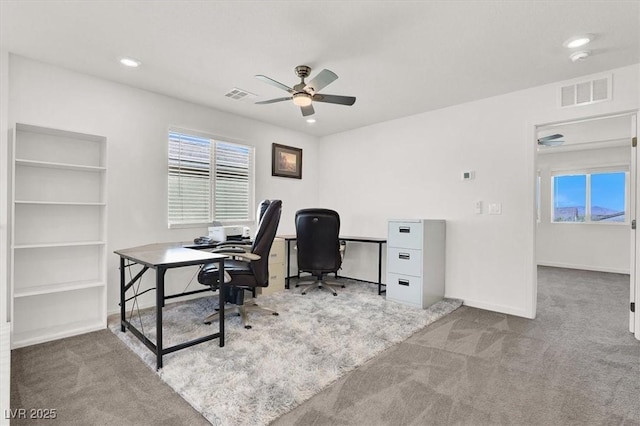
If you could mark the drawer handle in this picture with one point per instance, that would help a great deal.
(404, 256)
(273, 277)
(403, 282)
(274, 255)
(404, 229)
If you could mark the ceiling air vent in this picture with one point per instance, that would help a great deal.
(586, 92)
(239, 94)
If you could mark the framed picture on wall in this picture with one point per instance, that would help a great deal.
(286, 161)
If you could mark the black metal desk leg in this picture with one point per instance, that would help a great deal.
(221, 300)
(379, 269)
(288, 263)
(122, 298)
(159, 304)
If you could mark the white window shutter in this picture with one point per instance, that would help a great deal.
(233, 188)
(189, 179)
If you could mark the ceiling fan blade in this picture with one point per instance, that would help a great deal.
(275, 83)
(334, 99)
(552, 142)
(322, 80)
(307, 110)
(273, 101)
(550, 137)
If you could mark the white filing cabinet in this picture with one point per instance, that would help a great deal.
(415, 261)
(276, 269)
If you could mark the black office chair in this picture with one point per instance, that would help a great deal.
(318, 247)
(246, 270)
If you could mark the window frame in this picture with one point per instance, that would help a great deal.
(587, 172)
(213, 139)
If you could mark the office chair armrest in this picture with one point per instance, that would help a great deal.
(237, 253)
(246, 256)
(223, 244)
(228, 250)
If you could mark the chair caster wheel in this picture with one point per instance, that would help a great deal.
(248, 327)
(303, 293)
(207, 322)
(343, 287)
(297, 286)
(335, 294)
(275, 314)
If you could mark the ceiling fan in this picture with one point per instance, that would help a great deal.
(551, 140)
(303, 94)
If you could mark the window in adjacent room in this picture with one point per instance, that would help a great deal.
(209, 179)
(596, 196)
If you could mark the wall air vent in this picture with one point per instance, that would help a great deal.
(239, 94)
(586, 92)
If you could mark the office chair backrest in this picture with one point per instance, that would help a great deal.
(317, 235)
(267, 228)
(262, 207)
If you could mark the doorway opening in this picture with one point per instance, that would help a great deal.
(586, 199)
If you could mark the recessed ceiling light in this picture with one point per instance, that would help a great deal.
(311, 120)
(128, 62)
(578, 41)
(579, 56)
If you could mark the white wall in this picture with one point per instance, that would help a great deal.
(410, 168)
(135, 123)
(592, 246)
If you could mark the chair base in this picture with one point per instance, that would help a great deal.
(242, 310)
(320, 284)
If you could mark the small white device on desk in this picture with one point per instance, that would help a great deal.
(228, 232)
(416, 262)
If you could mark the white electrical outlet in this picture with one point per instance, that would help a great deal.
(478, 206)
(495, 208)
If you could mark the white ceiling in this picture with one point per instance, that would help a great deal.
(397, 58)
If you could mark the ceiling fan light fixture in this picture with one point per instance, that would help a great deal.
(579, 56)
(302, 99)
(578, 41)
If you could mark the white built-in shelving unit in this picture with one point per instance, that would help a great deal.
(58, 234)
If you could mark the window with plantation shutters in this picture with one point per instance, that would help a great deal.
(233, 178)
(208, 180)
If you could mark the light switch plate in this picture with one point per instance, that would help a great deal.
(495, 208)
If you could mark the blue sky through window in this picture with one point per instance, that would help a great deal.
(607, 192)
(570, 191)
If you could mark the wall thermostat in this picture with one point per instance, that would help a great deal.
(468, 175)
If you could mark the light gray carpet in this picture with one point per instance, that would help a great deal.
(283, 360)
(576, 364)
(93, 379)
(573, 365)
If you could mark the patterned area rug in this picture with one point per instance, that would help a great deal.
(283, 360)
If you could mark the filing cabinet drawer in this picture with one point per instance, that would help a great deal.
(276, 255)
(405, 234)
(276, 280)
(404, 260)
(404, 289)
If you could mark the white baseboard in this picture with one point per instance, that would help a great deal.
(585, 267)
(510, 310)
